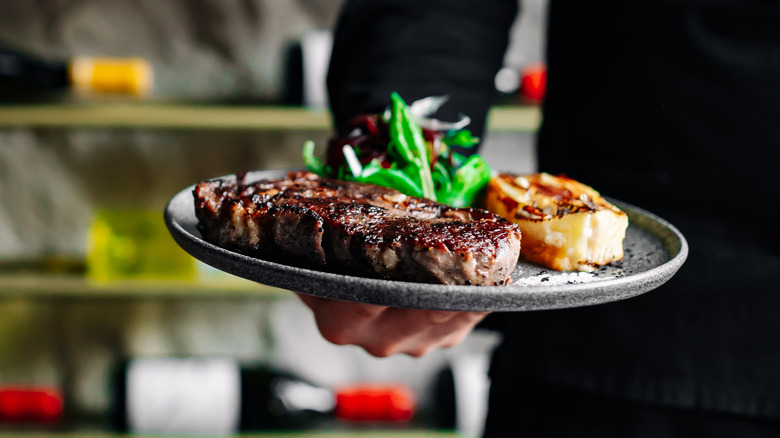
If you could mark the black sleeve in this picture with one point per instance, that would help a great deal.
(419, 48)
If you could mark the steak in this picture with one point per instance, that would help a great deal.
(357, 229)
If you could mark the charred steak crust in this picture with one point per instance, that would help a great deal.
(356, 228)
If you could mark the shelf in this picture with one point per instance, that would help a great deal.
(334, 434)
(159, 116)
(32, 285)
(212, 117)
(514, 119)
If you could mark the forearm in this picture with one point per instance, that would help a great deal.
(419, 48)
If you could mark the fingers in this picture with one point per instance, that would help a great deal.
(439, 333)
(384, 331)
(343, 322)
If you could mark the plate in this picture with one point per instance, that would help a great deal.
(654, 251)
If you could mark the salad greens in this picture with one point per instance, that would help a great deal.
(394, 150)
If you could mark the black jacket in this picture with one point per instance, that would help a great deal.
(673, 106)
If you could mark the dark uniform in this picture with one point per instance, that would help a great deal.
(673, 106)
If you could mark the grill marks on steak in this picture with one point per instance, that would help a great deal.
(357, 228)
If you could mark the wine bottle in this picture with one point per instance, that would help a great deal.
(218, 396)
(30, 405)
(460, 394)
(22, 74)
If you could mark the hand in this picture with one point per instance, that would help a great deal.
(383, 331)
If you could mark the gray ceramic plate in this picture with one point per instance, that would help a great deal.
(654, 251)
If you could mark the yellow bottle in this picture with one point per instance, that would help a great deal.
(111, 75)
(135, 245)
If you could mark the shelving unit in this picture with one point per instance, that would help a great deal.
(31, 285)
(42, 282)
(315, 434)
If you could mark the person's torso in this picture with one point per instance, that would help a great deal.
(673, 106)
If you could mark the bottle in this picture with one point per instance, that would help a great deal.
(460, 394)
(134, 244)
(30, 405)
(27, 76)
(533, 83)
(219, 396)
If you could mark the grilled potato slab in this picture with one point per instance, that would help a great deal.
(565, 225)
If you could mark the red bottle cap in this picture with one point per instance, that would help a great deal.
(30, 404)
(533, 83)
(374, 402)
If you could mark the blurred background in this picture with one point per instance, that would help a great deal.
(92, 288)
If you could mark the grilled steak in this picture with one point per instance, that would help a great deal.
(355, 228)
